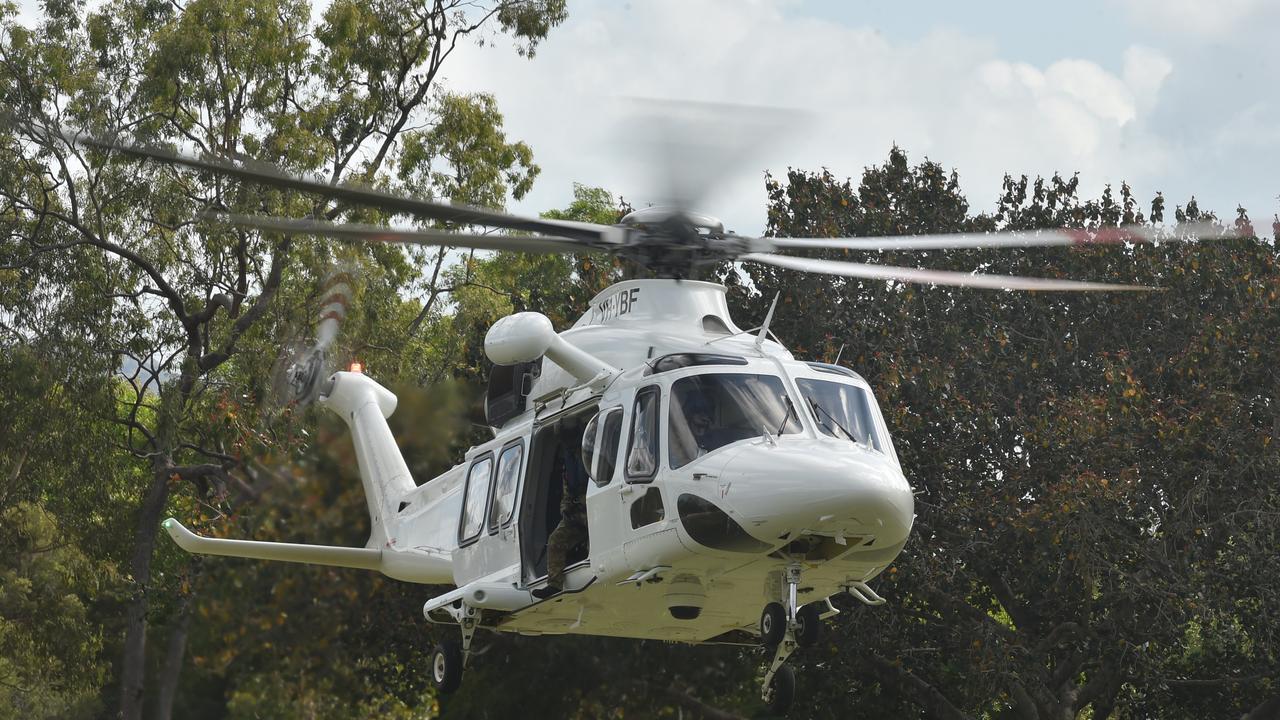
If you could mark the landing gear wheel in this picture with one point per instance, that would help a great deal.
(773, 624)
(808, 626)
(446, 666)
(781, 691)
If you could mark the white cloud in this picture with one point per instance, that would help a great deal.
(1145, 71)
(945, 95)
(1196, 18)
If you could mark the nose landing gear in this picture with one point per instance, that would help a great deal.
(785, 627)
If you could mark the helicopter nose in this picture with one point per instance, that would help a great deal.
(797, 485)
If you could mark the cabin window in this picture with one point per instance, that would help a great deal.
(842, 411)
(711, 411)
(600, 446)
(504, 494)
(475, 501)
(642, 452)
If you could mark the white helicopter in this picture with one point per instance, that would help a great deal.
(731, 488)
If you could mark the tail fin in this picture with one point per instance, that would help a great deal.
(365, 406)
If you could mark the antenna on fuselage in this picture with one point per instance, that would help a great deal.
(768, 318)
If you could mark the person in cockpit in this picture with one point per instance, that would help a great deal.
(699, 413)
(700, 424)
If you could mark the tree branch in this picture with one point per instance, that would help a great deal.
(278, 260)
(915, 689)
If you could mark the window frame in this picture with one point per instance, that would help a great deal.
(464, 541)
(878, 427)
(656, 391)
(620, 413)
(788, 393)
(692, 360)
(515, 491)
(599, 425)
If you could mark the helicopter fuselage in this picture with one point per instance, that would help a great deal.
(719, 475)
(715, 460)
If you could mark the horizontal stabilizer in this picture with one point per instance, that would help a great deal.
(362, 558)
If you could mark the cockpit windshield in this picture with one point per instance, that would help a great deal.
(842, 411)
(713, 410)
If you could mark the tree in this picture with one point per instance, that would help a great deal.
(50, 646)
(188, 308)
(1090, 469)
(366, 646)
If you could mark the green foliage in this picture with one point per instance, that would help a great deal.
(52, 663)
(139, 342)
(487, 288)
(1082, 462)
(1097, 506)
(465, 156)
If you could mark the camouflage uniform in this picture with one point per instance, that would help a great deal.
(572, 529)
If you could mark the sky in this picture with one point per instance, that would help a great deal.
(1175, 96)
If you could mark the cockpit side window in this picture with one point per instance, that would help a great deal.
(642, 450)
(712, 410)
(842, 411)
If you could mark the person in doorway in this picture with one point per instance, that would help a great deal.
(572, 529)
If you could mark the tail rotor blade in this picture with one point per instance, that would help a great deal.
(303, 365)
(333, 308)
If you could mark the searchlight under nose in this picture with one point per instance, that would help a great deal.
(818, 485)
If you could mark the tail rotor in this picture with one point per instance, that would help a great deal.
(302, 366)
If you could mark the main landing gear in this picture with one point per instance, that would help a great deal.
(784, 627)
(450, 657)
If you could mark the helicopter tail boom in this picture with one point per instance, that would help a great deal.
(360, 558)
(409, 566)
(365, 406)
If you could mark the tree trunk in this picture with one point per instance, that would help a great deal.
(15, 474)
(133, 667)
(173, 657)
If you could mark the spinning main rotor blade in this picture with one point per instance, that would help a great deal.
(271, 175)
(375, 233)
(1038, 238)
(931, 277)
(693, 146)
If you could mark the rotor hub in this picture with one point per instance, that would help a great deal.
(673, 242)
(660, 214)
